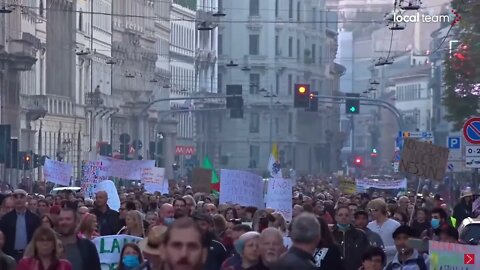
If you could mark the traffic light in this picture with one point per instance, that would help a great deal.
(4, 141)
(358, 161)
(313, 106)
(301, 98)
(38, 160)
(12, 154)
(25, 161)
(374, 153)
(235, 101)
(156, 152)
(352, 106)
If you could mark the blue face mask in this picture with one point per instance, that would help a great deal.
(168, 221)
(435, 223)
(131, 261)
(343, 226)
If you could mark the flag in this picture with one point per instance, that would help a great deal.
(214, 183)
(274, 163)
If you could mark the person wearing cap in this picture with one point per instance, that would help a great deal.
(18, 226)
(217, 253)
(464, 208)
(305, 236)
(406, 257)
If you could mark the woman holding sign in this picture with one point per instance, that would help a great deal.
(45, 253)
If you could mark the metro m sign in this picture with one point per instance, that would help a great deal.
(183, 150)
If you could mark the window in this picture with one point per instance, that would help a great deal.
(277, 84)
(290, 47)
(277, 125)
(220, 5)
(290, 9)
(41, 8)
(298, 11)
(314, 53)
(290, 123)
(276, 8)
(219, 83)
(254, 156)
(220, 45)
(254, 7)
(290, 84)
(314, 18)
(298, 49)
(80, 20)
(277, 45)
(254, 83)
(254, 123)
(254, 44)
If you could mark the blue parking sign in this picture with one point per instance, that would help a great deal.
(454, 142)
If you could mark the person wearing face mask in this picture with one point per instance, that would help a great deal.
(438, 222)
(353, 242)
(130, 257)
(166, 215)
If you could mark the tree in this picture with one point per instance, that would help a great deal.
(461, 74)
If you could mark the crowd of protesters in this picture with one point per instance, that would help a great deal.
(192, 231)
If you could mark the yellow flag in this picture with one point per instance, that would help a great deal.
(275, 151)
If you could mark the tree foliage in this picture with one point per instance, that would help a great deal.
(462, 67)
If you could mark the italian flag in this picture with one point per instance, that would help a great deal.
(215, 182)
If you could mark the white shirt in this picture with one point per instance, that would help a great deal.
(386, 231)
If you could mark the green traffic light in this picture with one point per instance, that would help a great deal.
(353, 109)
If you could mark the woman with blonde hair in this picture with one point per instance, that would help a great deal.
(133, 224)
(44, 253)
(88, 227)
(280, 223)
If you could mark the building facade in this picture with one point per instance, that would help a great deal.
(271, 59)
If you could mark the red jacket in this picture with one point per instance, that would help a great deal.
(34, 264)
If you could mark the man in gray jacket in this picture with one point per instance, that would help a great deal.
(361, 222)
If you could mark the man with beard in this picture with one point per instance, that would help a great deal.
(217, 253)
(271, 246)
(185, 246)
(81, 253)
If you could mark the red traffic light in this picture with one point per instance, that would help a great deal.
(27, 158)
(358, 161)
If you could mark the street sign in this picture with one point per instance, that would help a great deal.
(451, 167)
(472, 156)
(454, 142)
(471, 130)
(456, 166)
(424, 136)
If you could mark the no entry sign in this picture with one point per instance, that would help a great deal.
(471, 130)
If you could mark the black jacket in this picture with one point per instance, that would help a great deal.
(353, 243)
(8, 225)
(89, 254)
(327, 258)
(295, 259)
(217, 254)
(107, 222)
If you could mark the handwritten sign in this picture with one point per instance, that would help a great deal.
(109, 187)
(242, 188)
(109, 248)
(424, 159)
(57, 172)
(363, 184)
(201, 180)
(125, 169)
(91, 175)
(153, 179)
(279, 196)
(347, 186)
(453, 256)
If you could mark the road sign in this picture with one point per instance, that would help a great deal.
(471, 130)
(456, 166)
(424, 136)
(451, 167)
(454, 142)
(472, 156)
(396, 156)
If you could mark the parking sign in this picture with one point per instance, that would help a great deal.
(454, 142)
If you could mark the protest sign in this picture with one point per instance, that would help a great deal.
(91, 175)
(453, 256)
(363, 184)
(109, 248)
(347, 185)
(279, 196)
(109, 187)
(241, 187)
(201, 180)
(153, 179)
(424, 159)
(57, 172)
(125, 169)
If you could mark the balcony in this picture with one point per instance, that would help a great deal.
(21, 53)
(206, 17)
(34, 106)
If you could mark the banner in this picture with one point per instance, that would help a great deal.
(109, 248)
(91, 175)
(201, 180)
(453, 256)
(57, 172)
(153, 180)
(242, 188)
(347, 186)
(363, 184)
(125, 169)
(279, 196)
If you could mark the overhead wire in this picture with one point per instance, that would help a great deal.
(448, 32)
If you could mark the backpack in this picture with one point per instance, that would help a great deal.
(420, 261)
